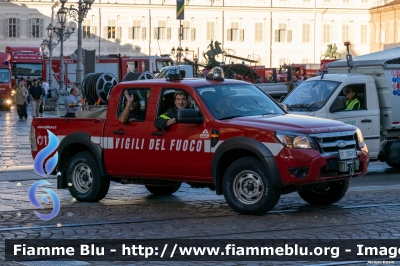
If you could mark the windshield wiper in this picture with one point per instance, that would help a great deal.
(299, 105)
(230, 117)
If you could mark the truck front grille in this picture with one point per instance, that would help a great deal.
(330, 143)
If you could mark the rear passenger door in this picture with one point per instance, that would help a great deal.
(180, 151)
(125, 144)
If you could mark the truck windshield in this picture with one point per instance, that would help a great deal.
(28, 69)
(310, 95)
(229, 101)
(4, 75)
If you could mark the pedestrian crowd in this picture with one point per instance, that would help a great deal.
(34, 92)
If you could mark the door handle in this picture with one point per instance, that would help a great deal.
(366, 120)
(157, 133)
(119, 132)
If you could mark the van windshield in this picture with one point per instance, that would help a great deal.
(310, 95)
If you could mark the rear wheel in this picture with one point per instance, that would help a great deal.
(327, 193)
(164, 190)
(247, 187)
(84, 180)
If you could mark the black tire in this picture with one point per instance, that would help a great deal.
(394, 165)
(84, 180)
(163, 190)
(327, 193)
(247, 188)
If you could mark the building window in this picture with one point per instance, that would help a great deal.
(185, 31)
(258, 32)
(35, 28)
(398, 31)
(345, 33)
(111, 32)
(136, 31)
(210, 31)
(306, 33)
(363, 34)
(162, 32)
(326, 37)
(86, 32)
(12, 27)
(283, 35)
(391, 29)
(234, 34)
(89, 31)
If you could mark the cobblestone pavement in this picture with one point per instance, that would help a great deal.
(370, 210)
(14, 141)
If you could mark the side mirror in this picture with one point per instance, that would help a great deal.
(284, 106)
(339, 104)
(188, 116)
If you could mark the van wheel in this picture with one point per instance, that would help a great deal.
(326, 193)
(247, 188)
(163, 190)
(84, 180)
(394, 165)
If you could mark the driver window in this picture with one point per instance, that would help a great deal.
(167, 101)
(355, 97)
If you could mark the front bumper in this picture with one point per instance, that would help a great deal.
(301, 167)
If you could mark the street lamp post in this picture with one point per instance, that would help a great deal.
(78, 14)
(62, 36)
(179, 53)
(49, 44)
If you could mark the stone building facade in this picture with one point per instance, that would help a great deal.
(275, 31)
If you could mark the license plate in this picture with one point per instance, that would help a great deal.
(347, 154)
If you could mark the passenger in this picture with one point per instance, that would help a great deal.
(36, 94)
(132, 110)
(351, 100)
(168, 118)
(72, 103)
(21, 95)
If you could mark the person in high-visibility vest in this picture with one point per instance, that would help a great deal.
(351, 101)
(168, 118)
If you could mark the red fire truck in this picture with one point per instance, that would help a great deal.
(236, 140)
(5, 81)
(26, 62)
(118, 66)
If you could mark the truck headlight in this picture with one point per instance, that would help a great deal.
(8, 101)
(295, 140)
(12, 92)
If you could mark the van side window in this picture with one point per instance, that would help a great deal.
(355, 91)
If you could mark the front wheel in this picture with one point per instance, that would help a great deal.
(164, 190)
(247, 187)
(327, 193)
(84, 180)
